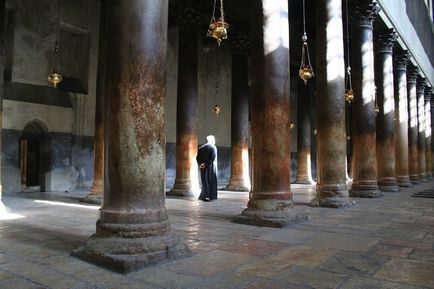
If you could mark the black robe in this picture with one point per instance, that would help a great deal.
(207, 155)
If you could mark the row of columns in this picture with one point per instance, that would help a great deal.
(133, 229)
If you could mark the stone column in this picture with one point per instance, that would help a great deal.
(401, 117)
(428, 134)
(420, 91)
(304, 174)
(270, 201)
(331, 188)
(186, 181)
(385, 134)
(96, 192)
(364, 154)
(2, 69)
(432, 142)
(133, 228)
(239, 180)
(413, 159)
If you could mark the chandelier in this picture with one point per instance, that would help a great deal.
(55, 77)
(306, 71)
(218, 28)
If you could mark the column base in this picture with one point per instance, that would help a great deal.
(270, 218)
(332, 196)
(365, 193)
(429, 176)
(181, 189)
(414, 179)
(130, 254)
(388, 184)
(404, 181)
(237, 188)
(304, 182)
(92, 198)
(388, 188)
(422, 178)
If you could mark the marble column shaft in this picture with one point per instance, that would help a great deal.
(96, 191)
(364, 143)
(413, 151)
(385, 127)
(420, 91)
(432, 142)
(270, 201)
(428, 131)
(304, 174)
(401, 59)
(133, 228)
(239, 180)
(2, 69)
(331, 188)
(186, 115)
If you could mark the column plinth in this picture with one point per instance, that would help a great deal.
(239, 179)
(413, 158)
(133, 229)
(385, 126)
(364, 142)
(270, 201)
(331, 190)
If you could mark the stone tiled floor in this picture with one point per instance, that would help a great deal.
(379, 243)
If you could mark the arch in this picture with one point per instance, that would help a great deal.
(34, 155)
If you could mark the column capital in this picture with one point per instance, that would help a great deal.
(385, 40)
(400, 59)
(420, 85)
(429, 93)
(412, 73)
(365, 12)
(240, 43)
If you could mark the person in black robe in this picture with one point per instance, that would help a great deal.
(207, 160)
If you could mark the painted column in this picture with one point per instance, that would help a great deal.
(186, 181)
(270, 201)
(239, 180)
(420, 92)
(364, 154)
(96, 192)
(385, 134)
(413, 158)
(331, 188)
(304, 173)
(401, 59)
(428, 156)
(2, 69)
(133, 228)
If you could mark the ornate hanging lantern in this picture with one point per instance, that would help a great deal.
(377, 109)
(349, 93)
(55, 77)
(218, 28)
(306, 71)
(217, 109)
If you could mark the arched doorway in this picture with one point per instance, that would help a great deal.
(34, 157)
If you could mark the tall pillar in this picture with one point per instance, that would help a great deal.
(331, 188)
(420, 91)
(432, 121)
(133, 228)
(385, 134)
(428, 132)
(2, 69)
(186, 181)
(270, 201)
(364, 143)
(239, 180)
(304, 173)
(413, 158)
(96, 192)
(401, 59)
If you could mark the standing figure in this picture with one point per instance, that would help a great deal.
(207, 160)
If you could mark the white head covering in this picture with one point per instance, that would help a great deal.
(210, 139)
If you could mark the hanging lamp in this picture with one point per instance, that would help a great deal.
(55, 77)
(349, 93)
(306, 71)
(218, 28)
(217, 107)
(377, 109)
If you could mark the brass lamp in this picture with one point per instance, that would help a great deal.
(55, 78)
(218, 28)
(306, 70)
(217, 109)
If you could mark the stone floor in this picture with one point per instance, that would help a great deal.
(379, 243)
